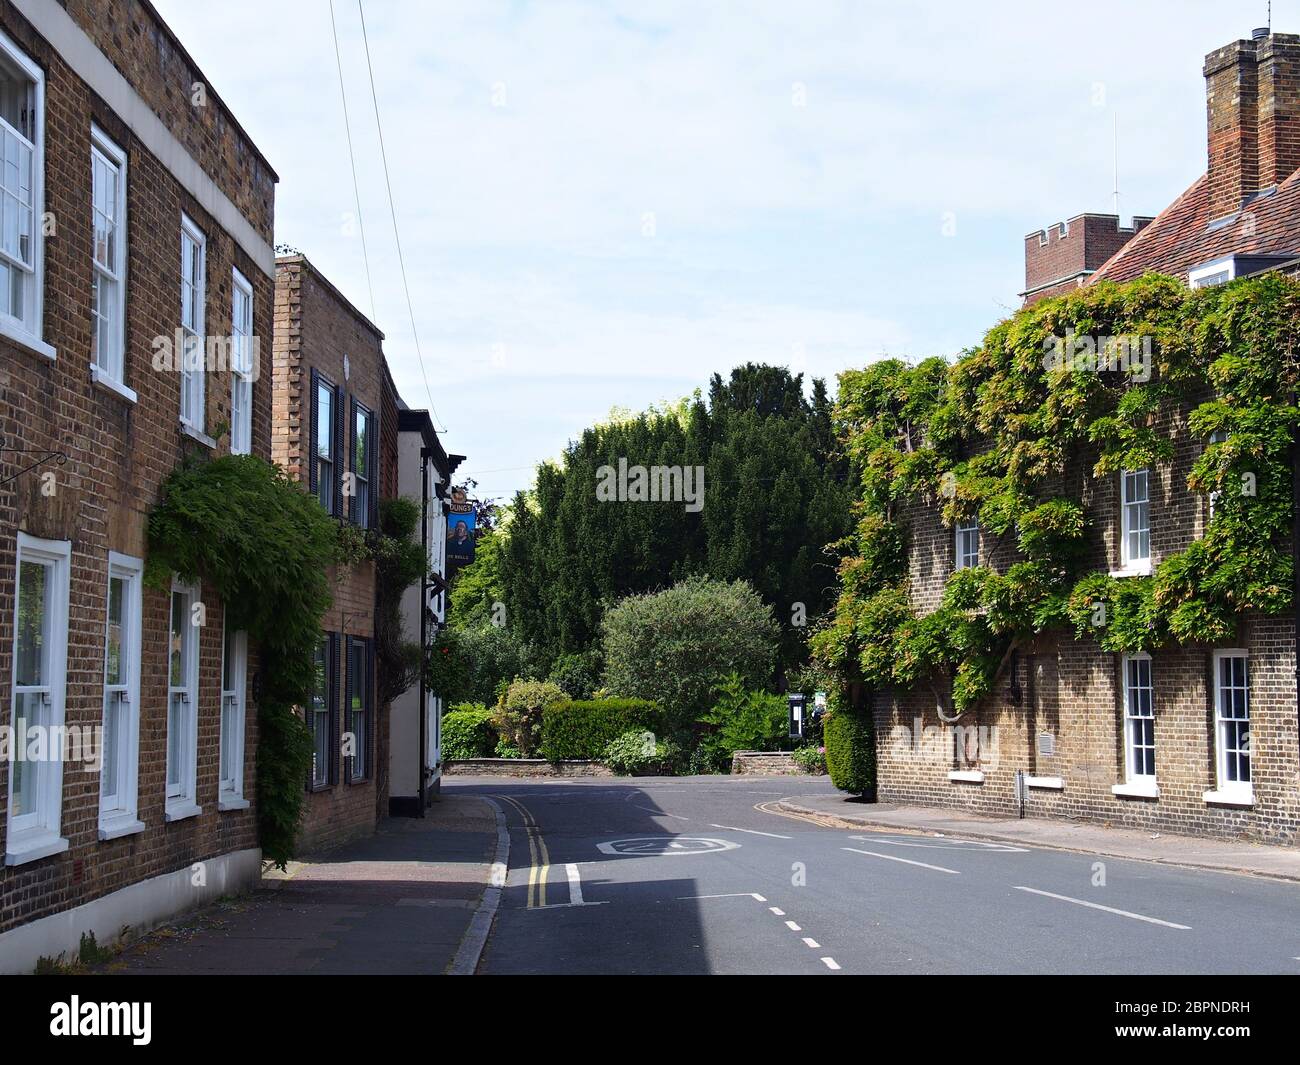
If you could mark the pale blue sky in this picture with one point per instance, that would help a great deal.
(603, 203)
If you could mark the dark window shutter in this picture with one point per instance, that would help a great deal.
(339, 434)
(371, 711)
(348, 681)
(372, 460)
(333, 693)
(312, 437)
(353, 516)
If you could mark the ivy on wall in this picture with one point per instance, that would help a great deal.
(993, 436)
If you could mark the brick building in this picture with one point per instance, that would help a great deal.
(136, 221)
(1192, 739)
(331, 388)
(1067, 254)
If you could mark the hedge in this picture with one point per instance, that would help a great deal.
(583, 728)
(850, 751)
(467, 732)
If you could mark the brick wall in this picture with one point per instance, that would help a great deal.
(315, 328)
(1060, 258)
(118, 453)
(1071, 690)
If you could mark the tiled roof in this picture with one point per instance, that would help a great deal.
(1180, 239)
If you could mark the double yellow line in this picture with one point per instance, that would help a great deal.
(539, 856)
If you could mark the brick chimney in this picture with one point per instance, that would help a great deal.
(1252, 97)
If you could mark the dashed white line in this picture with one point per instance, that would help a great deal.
(793, 927)
(830, 963)
(777, 910)
(905, 861)
(728, 895)
(1107, 909)
(812, 943)
(751, 831)
(575, 884)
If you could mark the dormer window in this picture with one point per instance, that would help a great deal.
(1216, 272)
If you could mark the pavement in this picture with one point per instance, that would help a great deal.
(403, 901)
(734, 875)
(1239, 856)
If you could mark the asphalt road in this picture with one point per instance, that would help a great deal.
(690, 875)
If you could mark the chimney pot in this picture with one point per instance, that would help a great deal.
(1259, 33)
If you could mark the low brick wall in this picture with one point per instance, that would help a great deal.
(765, 764)
(523, 767)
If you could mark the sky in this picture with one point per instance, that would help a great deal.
(601, 204)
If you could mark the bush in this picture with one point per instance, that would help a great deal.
(578, 675)
(637, 751)
(744, 721)
(584, 728)
(810, 759)
(673, 646)
(518, 717)
(467, 732)
(473, 664)
(850, 751)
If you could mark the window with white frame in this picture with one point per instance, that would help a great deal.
(241, 366)
(192, 356)
(1139, 721)
(1216, 272)
(234, 686)
(22, 166)
(321, 715)
(1135, 519)
(1232, 724)
(324, 470)
(39, 675)
(108, 257)
(1217, 437)
(182, 701)
(358, 706)
(121, 738)
(363, 432)
(968, 544)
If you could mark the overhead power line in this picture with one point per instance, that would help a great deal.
(392, 209)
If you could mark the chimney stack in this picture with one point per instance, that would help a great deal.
(1252, 94)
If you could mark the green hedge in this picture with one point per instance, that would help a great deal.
(583, 728)
(850, 751)
(467, 732)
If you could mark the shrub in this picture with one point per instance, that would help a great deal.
(584, 728)
(673, 646)
(810, 759)
(744, 721)
(637, 751)
(850, 751)
(518, 717)
(467, 732)
(578, 675)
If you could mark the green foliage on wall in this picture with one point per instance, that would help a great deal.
(993, 436)
(263, 544)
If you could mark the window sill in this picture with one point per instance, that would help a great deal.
(1049, 783)
(182, 811)
(966, 776)
(1135, 791)
(119, 827)
(108, 384)
(34, 848)
(1229, 798)
(11, 330)
(232, 802)
(197, 434)
(1142, 570)
(316, 789)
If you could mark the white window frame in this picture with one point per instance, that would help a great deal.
(193, 353)
(1129, 564)
(241, 367)
(1215, 272)
(36, 835)
(118, 816)
(1134, 776)
(1232, 792)
(111, 370)
(182, 795)
(234, 708)
(1216, 437)
(966, 559)
(27, 330)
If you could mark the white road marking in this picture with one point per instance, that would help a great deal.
(575, 884)
(812, 943)
(762, 899)
(793, 927)
(660, 813)
(946, 845)
(751, 831)
(830, 963)
(777, 910)
(729, 895)
(905, 861)
(1107, 909)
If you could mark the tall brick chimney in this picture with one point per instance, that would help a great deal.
(1252, 97)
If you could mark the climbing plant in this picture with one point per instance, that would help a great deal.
(263, 544)
(1116, 372)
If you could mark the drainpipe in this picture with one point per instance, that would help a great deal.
(424, 623)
